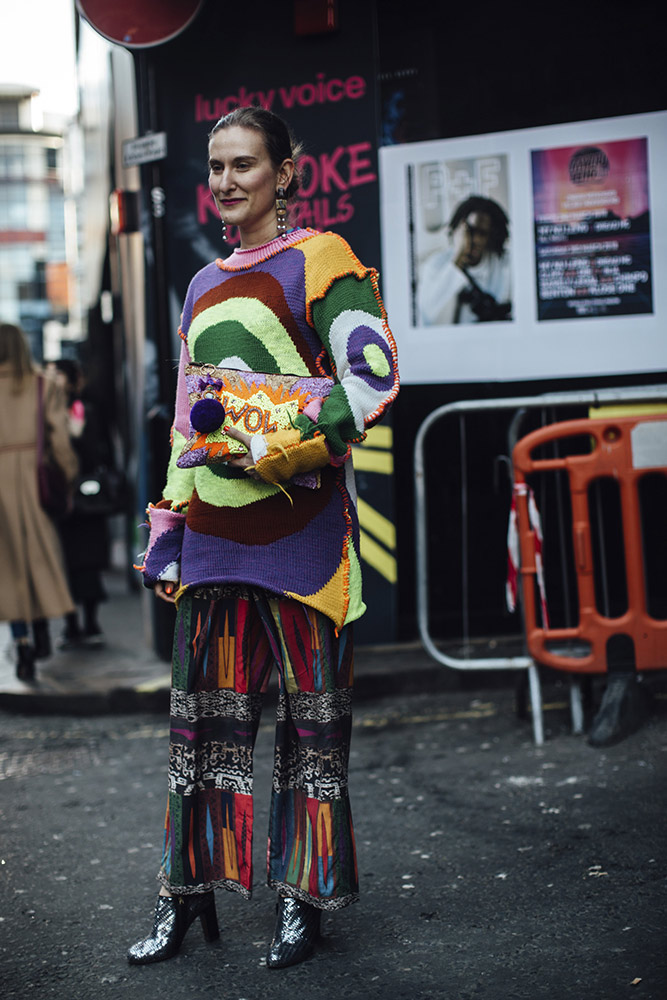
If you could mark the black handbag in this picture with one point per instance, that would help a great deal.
(51, 481)
(99, 494)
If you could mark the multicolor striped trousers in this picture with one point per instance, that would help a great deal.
(226, 642)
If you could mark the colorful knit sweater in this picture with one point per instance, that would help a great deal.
(304, 305)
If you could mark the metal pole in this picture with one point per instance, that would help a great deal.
(465, 601)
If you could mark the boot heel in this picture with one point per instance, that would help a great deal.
(209, 923)
(173, 916)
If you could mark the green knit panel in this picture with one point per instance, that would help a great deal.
(345, 293)
(232, 338)
(180, 482)
(336, 420)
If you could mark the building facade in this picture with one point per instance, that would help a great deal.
(35, 273)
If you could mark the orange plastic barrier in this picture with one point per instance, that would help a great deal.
(624, 449)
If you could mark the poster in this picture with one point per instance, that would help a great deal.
(462, 254)
(592, 230)
(572, 290)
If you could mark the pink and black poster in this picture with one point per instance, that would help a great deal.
(592, 230)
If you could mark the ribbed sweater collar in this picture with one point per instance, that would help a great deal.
(239, 260)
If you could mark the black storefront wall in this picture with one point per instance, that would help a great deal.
(442, 72)
(324, 86)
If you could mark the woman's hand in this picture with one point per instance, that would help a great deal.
(166, 589)
(245, 461)
(462, 240)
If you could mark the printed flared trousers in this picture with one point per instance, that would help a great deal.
(224, 650)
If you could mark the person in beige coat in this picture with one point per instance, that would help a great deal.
(33, 585)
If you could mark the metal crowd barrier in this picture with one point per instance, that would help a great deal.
(598, 397)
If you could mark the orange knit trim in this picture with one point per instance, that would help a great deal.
(166, 504)
(375, 285)
(320, 367)
(375, 282)
(346, 545)
(394, 353)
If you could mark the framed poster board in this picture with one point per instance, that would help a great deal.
(529, 254)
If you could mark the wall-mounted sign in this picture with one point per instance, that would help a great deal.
(145, 149)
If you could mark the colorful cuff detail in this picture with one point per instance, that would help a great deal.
(163, 553)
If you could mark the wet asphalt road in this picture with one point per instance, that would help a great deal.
(489, 868)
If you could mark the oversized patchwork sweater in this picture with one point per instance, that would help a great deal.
(304, 305)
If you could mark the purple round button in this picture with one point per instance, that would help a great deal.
(207, 415)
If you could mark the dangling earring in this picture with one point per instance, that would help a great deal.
(281, 211)
(224, 229)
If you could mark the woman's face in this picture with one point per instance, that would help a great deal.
(243, 182)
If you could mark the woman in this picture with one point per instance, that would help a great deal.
(33, 586)
(262, 551)
(84, 533)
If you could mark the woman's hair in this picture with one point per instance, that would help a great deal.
(15, 349)
(278, 139)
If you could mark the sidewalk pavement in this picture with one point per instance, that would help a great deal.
(122, 675)
(126, 674)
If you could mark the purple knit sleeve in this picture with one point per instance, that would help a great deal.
(162, 558)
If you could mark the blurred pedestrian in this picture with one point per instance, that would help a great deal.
(257, 539)
(33, 584)
(84, 531)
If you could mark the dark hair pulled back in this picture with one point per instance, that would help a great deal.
(278, 139)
